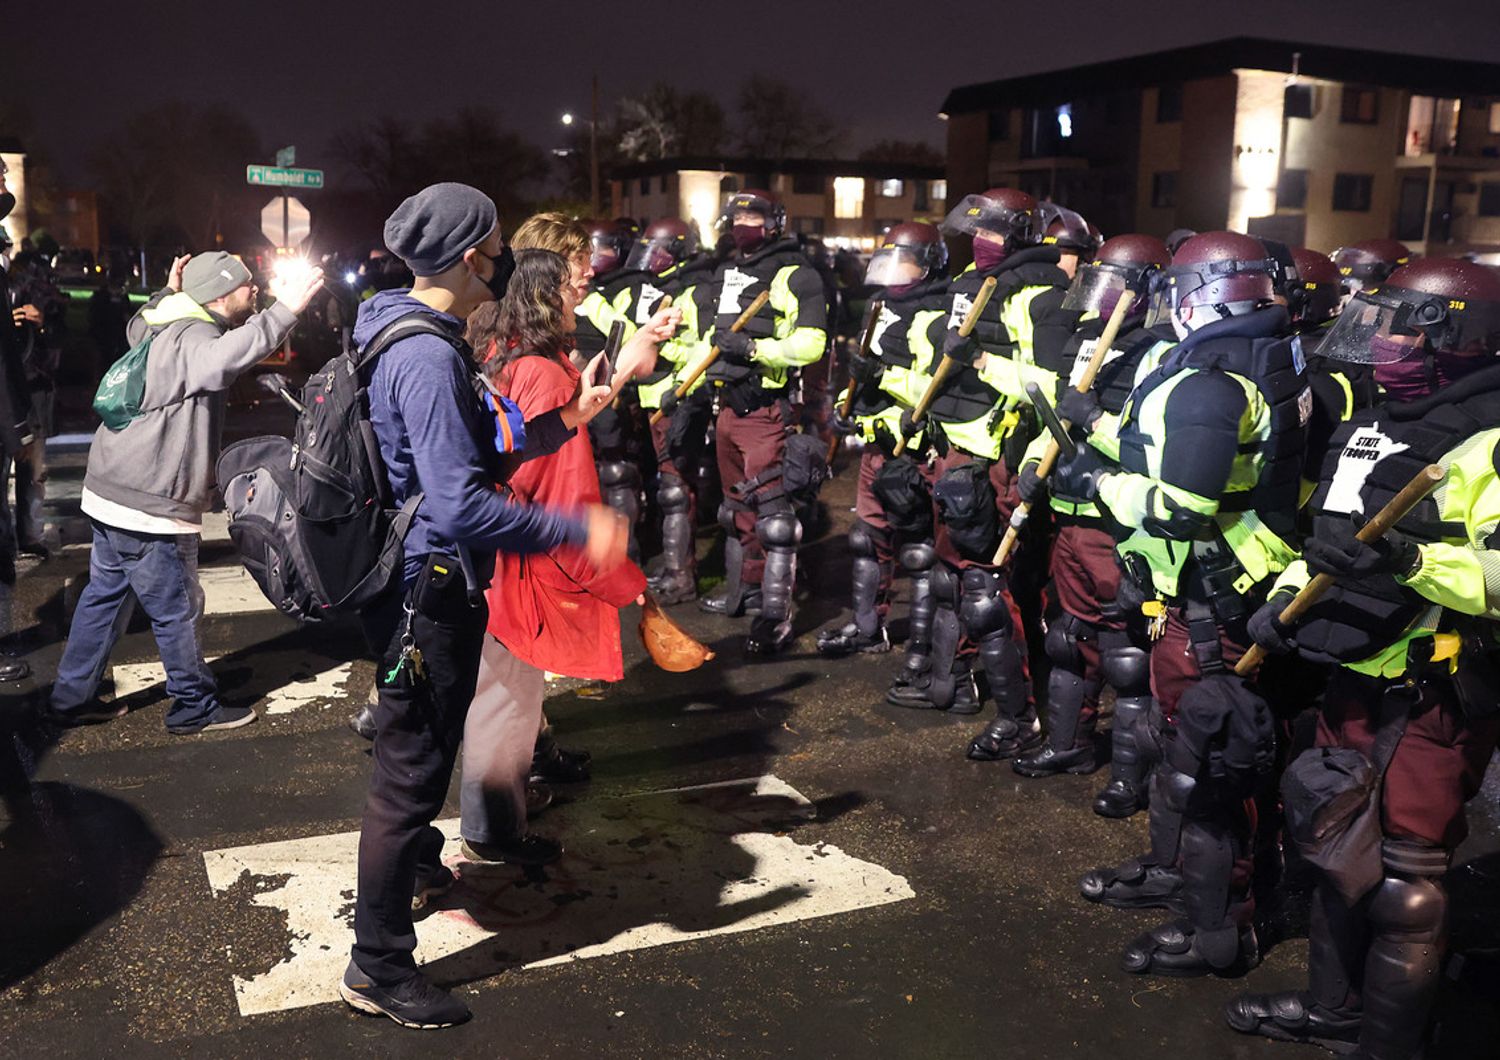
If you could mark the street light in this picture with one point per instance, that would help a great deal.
(569, 118)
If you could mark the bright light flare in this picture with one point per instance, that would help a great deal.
(567, 118)
(351, 278)
(287, 274)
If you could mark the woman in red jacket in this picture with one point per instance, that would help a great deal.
(550, 612)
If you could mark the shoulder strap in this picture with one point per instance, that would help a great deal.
(1396, 713)
(404, 327)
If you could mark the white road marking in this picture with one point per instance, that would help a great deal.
(309, 679)
(640, 871)
(230, 590)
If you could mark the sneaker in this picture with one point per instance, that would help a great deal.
(222, 718)
(432, 885)
(529, 849)
(561, 766)
(538, 797)
(95, 713)
(413, 1002)
(14, 668)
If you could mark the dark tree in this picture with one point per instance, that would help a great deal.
(665, 121)
(775, 121)
(902, 151)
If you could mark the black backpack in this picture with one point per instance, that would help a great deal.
(312, 516)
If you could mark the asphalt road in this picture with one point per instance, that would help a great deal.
(850, 887)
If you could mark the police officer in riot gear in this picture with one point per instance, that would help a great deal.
(1410, 623)
(750, 382)
(893, 501)
(1093, 640)
(1368, 263)
(1210, 448)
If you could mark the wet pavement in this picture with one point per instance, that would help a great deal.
(769, 862)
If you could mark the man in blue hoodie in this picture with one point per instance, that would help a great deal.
(436, 438)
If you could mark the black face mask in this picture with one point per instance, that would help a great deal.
(7, 204)
(503, 267)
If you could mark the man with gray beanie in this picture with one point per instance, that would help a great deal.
(438, 439)
(149, 483)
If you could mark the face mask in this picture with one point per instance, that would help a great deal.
(1409, 378)
(987, 255)
(604, 262)
(659, 261)
(748, 237)
(7, 204)
(503, 267)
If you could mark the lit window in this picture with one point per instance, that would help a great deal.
(1495, 117)
(1065, 121)
(848, 198)
(892, 189)
(940, 190)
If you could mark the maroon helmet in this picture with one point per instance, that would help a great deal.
(608, 245)
(1437, 305)
(760, 201)
(1370, 262)
(1128, 261)
(1219, 269)
(1067, 230)
(1319, 291)
(665, 242)
(908, 253)
(1004, 212)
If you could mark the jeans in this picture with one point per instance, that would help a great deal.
(419, 725)
(162, 572)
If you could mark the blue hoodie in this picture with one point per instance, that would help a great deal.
(438, 439)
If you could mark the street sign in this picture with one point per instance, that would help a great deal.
(285, 222)
(282, 177)
(287, 156)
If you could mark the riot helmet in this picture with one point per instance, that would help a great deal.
(1006, 213)
(749, 236)
(1368, 263)
(1318, 295)
(1129, 261)
(909, 253)
(608, 245)
(1437, 305)
(1214, 275)
(666, 242)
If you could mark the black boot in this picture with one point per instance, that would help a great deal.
(910, 685)
(1015, 730)
(1126, 792)
(1067, 692)
(1176, 949)
(736, 598)
(1151, 881)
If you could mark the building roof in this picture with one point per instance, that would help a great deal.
(792, 166)
(1422, 74)
(11, 146)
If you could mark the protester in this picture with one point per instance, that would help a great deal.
(552, 612)
(437, 438)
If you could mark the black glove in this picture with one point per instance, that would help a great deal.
(669, 401)
(865, 371)
(1337, 552)
(964, 349)
(734, 346)
(841, 423)
(1266, 627)
(910, 425)
(1083, 473)
(1079, 409)
(1031, 486)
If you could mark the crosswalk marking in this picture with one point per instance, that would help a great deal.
(309, 679)
(641, 871)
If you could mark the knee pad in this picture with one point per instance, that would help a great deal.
(982, 607)
(944, 586)
(778, 530)
(918, 558)
(1061, 643)
(672, 494)
(1415, 908)
(863, 539)
(1126, 669)
(726, 518)
(616, 473)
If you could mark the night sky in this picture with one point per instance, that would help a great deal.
(879, 68)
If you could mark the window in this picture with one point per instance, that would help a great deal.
(1495, 117)
(661, 183)
(808, 226)
(919, 195)
(1351, 191)
(940, 190)
(1164, 190)
(1169, 102)
(848, 198)
(645, 185)
(1065, 121)
(1489, 199)
(1360, 106)
(999, 125)
(1298, 101)
(807, 184)
(892, 189)
(1291, 190)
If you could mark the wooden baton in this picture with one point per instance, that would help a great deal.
(946, 366)
(1411, 494)
(713, 353)
(1049, 456)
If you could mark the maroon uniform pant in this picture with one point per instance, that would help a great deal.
(747, 446)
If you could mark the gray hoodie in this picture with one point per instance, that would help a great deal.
(162, 462)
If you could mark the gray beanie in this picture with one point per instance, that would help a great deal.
(213, 275)
(431, 230)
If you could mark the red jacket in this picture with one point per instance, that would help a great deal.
(554, 610)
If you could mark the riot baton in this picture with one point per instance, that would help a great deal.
(713, 353)
(945, 368)
(1395, 509)
(1049, 457)
(847, 406)
(1055, 427)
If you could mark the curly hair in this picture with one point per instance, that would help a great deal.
(556, 232)
(530, 317)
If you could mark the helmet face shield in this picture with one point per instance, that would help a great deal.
(651, 255)
(977, 213)
(895, 266)
(1383, 325)
(1096, 289)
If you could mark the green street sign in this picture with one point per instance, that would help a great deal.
(282, 177)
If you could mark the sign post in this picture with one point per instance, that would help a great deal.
(284, 177)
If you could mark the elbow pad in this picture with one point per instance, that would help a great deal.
(1180, 524)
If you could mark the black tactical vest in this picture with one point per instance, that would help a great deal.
(738, 283)
(1371, 458)
(891, 342)
(590, 338)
